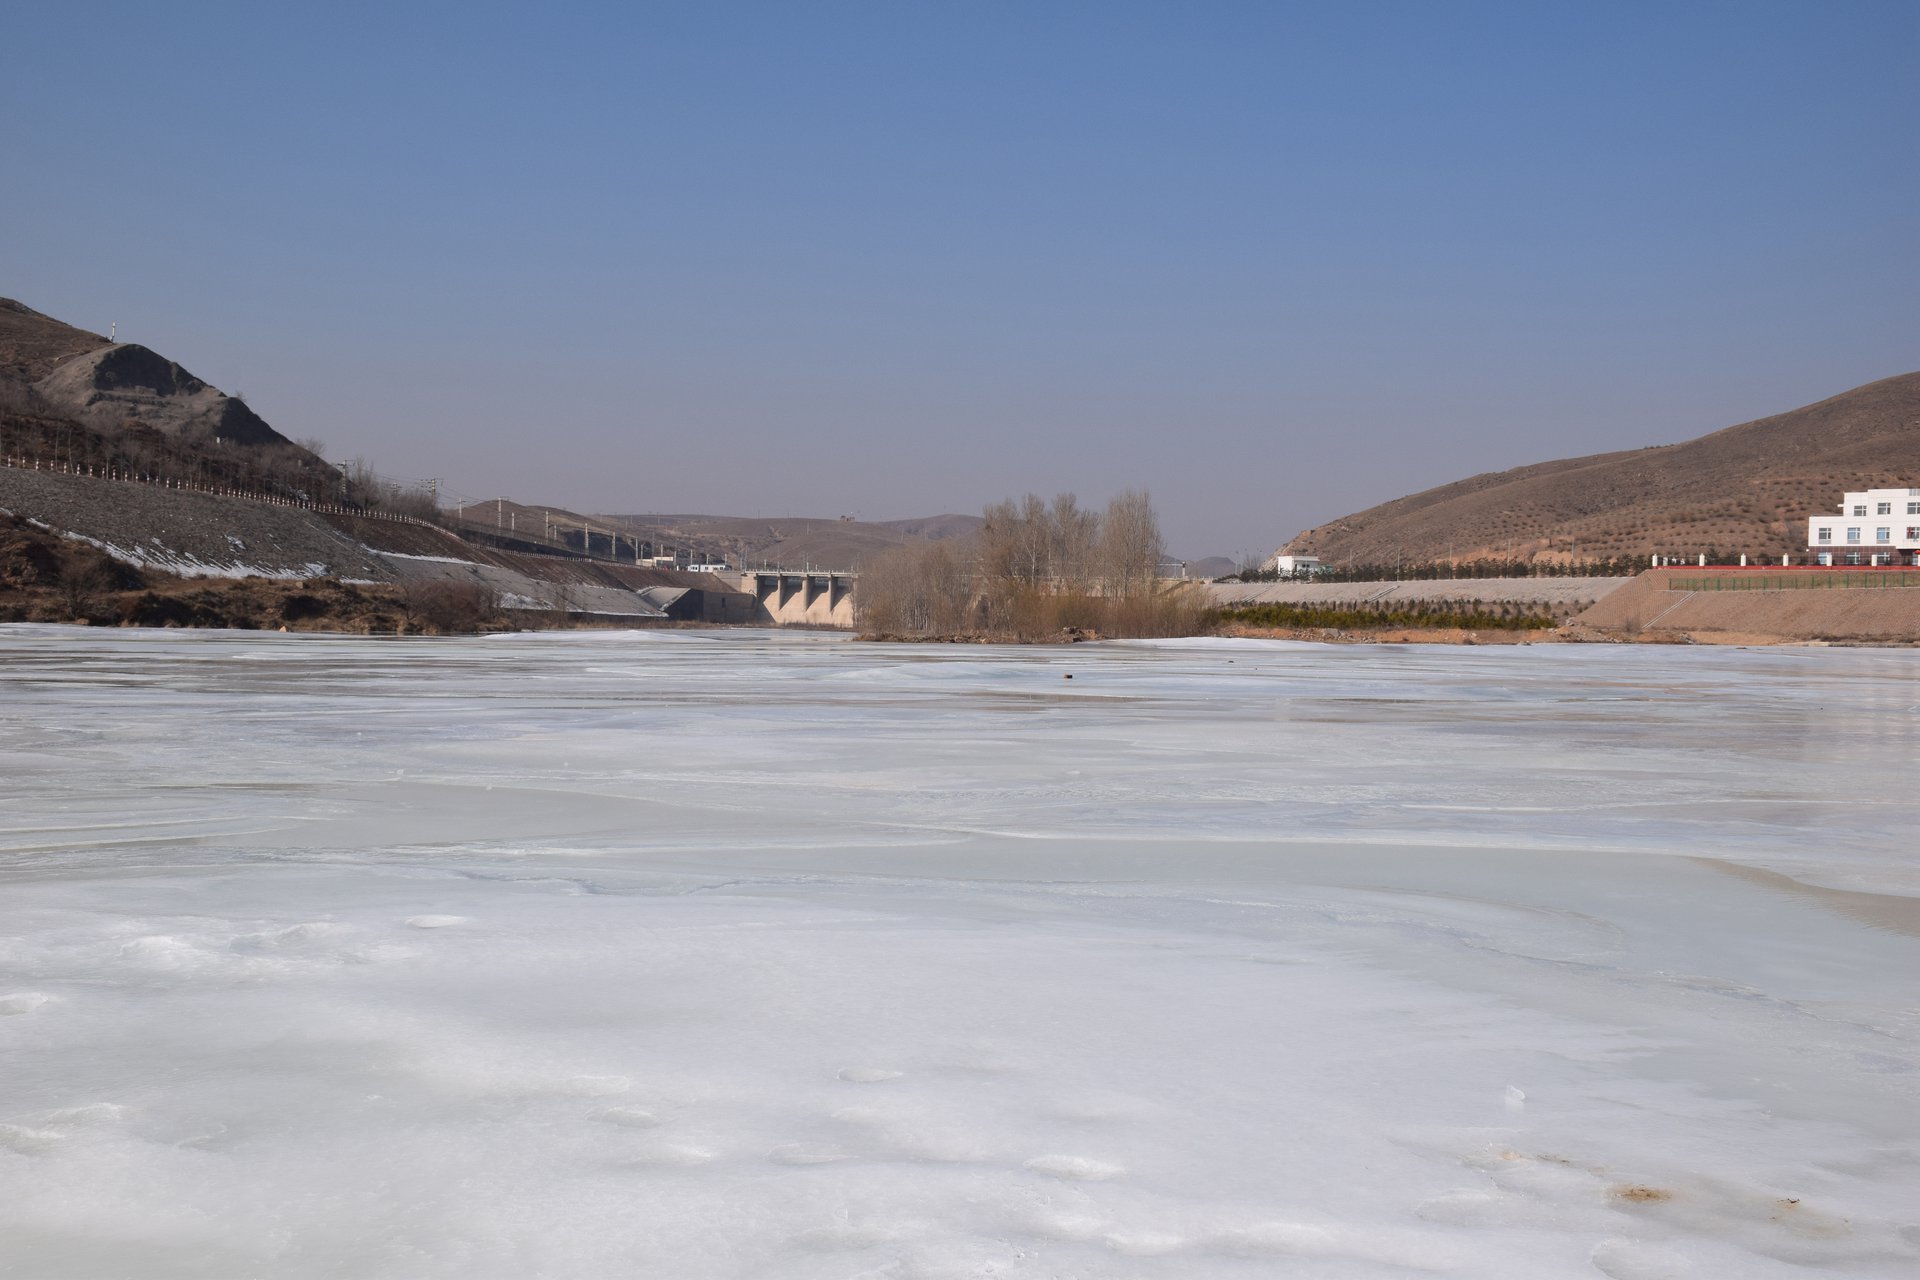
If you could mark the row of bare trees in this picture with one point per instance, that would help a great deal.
(1067, 549)
(1034, 570)
(366, 488)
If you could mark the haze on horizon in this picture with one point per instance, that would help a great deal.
(1274, 263)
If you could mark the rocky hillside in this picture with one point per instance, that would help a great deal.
(116, 385)
(1748, 488)
(51, 369)
(153, 535)
(33, 346)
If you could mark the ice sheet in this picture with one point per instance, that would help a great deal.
(725, 955)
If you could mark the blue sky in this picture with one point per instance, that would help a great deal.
(1273, 262)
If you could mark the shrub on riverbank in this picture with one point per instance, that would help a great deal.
(1466, 615)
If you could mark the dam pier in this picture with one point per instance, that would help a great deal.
(785, 596)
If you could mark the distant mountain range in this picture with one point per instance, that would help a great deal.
(794, 541)
(1748, 488)
(798, 541)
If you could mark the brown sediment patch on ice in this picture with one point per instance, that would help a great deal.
(1895, 912)
(1639, 1193)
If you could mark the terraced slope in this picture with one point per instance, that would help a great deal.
(1748, 488)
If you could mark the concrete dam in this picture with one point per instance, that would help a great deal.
(787, 597)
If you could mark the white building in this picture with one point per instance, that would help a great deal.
(1877, 526)
(1295, 566)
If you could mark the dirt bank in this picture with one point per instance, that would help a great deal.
(1667, 605)
(48, 578)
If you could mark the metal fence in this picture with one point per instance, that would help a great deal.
(1814, 580)
(602, 545)
(122, 475)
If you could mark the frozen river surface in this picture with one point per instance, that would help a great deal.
(681, 955)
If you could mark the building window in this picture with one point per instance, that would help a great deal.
(1853, 533)
(1826, 533)
(1913, 508)
(1860, 508)
(1884, 509)
(1883, 534)
(1913, 533)
(1853, 557)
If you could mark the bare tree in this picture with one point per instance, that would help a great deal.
(85, 579)
(1130, 547)
(1034, 571)
(562, 598)
(999, 541)
(447, 607)
(1075, 531)
(919, 589)
(1034, 541)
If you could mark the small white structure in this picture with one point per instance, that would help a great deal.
(1295, 566)
(1875, 526)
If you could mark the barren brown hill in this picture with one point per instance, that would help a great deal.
(34, 345)
(53, 371)
(115, 385)
(1748, 488)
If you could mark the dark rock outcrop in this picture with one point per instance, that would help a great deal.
(126, 382)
